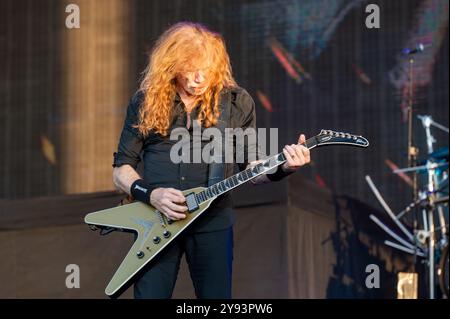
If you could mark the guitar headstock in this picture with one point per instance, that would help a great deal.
(329, 137)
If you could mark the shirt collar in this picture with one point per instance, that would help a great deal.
(177, 98)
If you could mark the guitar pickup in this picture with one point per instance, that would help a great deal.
(191, 202)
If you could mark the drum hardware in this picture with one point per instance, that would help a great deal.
(430, 242)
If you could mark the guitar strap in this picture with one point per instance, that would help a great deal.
(218, 168)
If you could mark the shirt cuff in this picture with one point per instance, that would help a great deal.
(121, 159)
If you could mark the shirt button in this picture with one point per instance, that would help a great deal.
(183, 178)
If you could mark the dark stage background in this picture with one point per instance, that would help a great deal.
(64, 92)
(308, 64)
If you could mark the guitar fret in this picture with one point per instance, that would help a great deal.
(240, 178)
(232, 181)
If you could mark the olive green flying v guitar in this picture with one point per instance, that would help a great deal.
(155, 231)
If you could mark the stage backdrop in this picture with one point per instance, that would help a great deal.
(308, 64)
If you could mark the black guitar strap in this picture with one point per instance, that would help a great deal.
(218, 167)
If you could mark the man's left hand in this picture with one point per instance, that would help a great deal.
(296, 155)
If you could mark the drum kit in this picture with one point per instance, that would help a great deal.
(428, 211)
(428, 237)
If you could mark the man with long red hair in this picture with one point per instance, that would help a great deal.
(188, 80)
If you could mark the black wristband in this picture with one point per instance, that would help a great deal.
(279, 174)
(141, 190)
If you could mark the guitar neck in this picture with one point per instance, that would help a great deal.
(248, 174)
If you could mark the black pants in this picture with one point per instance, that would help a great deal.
(209, 256)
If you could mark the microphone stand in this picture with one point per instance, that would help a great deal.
(413, 151)
(412, 156)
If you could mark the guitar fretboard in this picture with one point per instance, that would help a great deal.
(246, 175)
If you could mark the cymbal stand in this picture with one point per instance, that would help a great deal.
(427, 121)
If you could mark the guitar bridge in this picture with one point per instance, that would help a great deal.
(191, 202)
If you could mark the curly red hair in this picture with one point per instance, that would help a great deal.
(184, 47)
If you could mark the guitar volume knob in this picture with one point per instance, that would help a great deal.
(140, 254)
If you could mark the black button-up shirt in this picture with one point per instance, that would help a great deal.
(158, 168)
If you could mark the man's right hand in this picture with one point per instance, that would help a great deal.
(167, 200)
